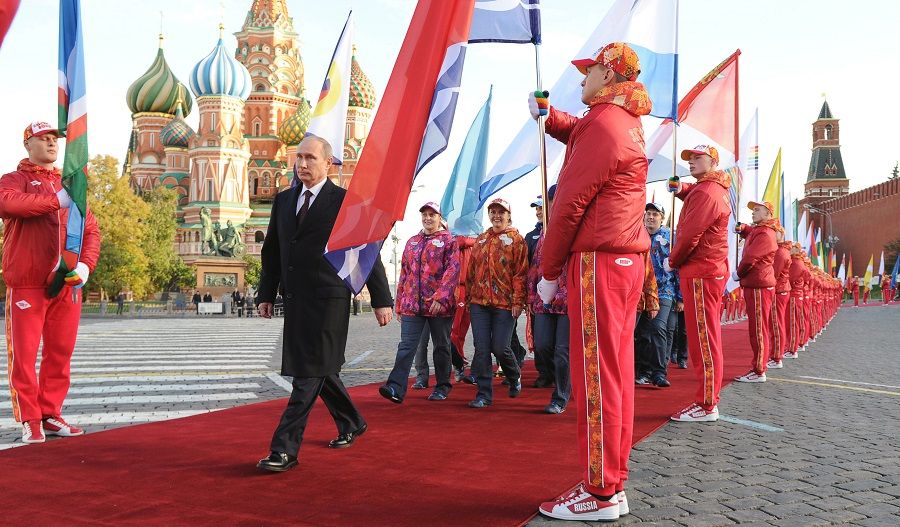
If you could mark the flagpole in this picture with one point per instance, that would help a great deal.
(542, 140)
(674, 174)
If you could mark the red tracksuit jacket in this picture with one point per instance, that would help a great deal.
(701, 243)
(782, 268)
(756, 269)
(35, 226)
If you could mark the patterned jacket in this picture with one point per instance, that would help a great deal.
(666, 282)
(649, 300)
(559, 304)
(498, 268)
(429, 273)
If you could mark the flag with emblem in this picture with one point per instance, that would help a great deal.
(8, 10)
(707, 115)
(72, 121)
(329, 118)
(867, 278)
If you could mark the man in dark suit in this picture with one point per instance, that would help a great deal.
(316, 304)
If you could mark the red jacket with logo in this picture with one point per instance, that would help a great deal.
(783, 268)
(35, 227)
(701, 241)
(601, 193)
(756, 269)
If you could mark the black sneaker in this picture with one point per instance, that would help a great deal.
(419, 385)
(661, 382)
(479, 403)
(554, 408)
(515, 388)
(543, 382)
(682, 364)
(437, 396)
(642, 380)
(460, 374)
(389, 393)
(469, 379)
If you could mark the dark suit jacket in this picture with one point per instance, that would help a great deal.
(316, 301)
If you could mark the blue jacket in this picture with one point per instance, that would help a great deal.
(666, 282)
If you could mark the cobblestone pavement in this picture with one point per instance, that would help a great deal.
(818, 444)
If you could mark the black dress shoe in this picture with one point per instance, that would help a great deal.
(389, 393)
(345, 440)
(277, 462)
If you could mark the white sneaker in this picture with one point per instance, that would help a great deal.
(581, 505)
(696, 414)
(773, 364)
(33, 432)
(790, 355)
(623, 503)
(751, 376)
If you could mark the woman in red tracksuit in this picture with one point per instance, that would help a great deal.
(779, 316)
(701, 256)
(757, 275)
(798, 275)
(596, 230)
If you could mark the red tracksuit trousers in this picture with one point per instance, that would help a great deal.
(702, 305)
(30, 315)
(780, 325)
(604, 290)
(461, 321)
(795, 324)
(759, 310)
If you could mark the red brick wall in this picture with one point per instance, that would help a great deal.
(865, 221)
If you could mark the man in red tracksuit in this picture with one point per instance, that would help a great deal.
(34, 208)
(853, 286)
(798, 275)
(757, 276)
(597, 229)
(779, 316)
(700, 254)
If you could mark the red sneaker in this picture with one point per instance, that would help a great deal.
(55, 425)
(32, 432)
(580, 505)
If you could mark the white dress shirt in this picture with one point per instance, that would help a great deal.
(315, 192)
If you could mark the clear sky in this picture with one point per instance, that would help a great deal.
(793, 52)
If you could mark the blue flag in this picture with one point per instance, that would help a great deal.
(460, 204)
(895, 272)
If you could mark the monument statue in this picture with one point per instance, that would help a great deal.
(209, 244)
(231, 240)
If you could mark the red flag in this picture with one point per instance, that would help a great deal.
(8, 10)
(383, 177)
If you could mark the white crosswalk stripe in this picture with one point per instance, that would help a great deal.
(143, 370)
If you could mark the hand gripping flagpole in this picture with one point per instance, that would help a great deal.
(544, 110)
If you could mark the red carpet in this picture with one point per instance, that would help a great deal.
(420, 463)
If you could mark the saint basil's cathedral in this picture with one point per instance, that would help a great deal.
(253, 113)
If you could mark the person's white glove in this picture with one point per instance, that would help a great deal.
(64, 199)
(547, 289)
(78, 276)
(533, 106)
(735, 277)
(666, 267)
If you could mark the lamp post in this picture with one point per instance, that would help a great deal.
(832, 239)
(396, 241)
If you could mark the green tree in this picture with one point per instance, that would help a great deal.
(159, 240)
(896, 172)
(120, 215)
(254, 269)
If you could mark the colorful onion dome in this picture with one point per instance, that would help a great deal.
(157, 90)
(220, 74)
(362, 93)
(293, 128)
(177, 133)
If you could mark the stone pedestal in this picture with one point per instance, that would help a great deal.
(218, 274)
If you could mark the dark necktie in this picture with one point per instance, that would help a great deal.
(301, 214)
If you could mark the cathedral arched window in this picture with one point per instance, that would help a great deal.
(259, 237)
(267, 182)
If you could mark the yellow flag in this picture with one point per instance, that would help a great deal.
(867, 279)
(773, 192)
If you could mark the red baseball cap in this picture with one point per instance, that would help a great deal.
(700, 149)
(431, 205)
(500, 202)
(39, 128)
(617, 56)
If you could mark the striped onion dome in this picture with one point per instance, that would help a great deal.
(177, 133)
(157, 90)
(293, 128)
(220, 74)
(362, 93)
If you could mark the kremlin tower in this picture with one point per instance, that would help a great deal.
(252, 114)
